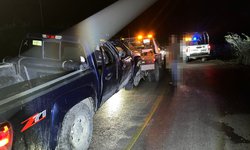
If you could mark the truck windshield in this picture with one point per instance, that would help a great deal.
(145, 44)
(72, 51)
(196, 38)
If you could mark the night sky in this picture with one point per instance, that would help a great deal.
(217, 17)
(165, 17)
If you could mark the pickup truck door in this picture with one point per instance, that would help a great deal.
(110, 76)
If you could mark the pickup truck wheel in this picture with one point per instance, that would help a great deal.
(77, 128)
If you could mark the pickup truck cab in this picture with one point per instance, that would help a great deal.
(49, 93)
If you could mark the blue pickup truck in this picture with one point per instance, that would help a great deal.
(50, 92)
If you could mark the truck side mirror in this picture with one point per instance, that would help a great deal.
(122, 54)
(98, 57)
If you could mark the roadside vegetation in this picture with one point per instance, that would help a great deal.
(240, 45)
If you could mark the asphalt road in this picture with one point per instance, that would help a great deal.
(209, 109)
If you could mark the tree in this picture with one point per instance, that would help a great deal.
(241, 46)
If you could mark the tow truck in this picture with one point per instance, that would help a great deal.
(49, 93)
(149, 59)
(195, 45)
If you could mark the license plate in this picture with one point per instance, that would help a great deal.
(147, 67)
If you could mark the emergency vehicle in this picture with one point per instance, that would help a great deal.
(195, 45)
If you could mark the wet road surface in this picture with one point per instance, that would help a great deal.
(209, 109)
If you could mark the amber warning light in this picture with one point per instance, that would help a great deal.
(139, 37)
(150, 36)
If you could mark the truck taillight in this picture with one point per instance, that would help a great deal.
(209, 47)
(58, 37)
(6, 135)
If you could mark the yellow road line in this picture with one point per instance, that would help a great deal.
(143, 126)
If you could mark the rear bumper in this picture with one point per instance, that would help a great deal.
(199, 55)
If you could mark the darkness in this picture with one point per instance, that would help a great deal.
(215, 17)
(164, 18)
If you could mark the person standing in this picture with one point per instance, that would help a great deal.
(174, 53)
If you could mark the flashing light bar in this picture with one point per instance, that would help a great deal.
(187, 39)
(140, 37)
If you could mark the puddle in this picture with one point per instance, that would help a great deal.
(229, 131)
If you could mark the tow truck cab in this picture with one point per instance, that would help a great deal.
(149, 58)
(149, 51)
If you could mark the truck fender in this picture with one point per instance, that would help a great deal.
(77, 127)
(65, 103)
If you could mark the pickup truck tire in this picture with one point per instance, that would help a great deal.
(77, 127)
(154, 75)
(203, 59)
(186, 59)
(157, 72)
(129, 85)
(137, 78)
(151, 76)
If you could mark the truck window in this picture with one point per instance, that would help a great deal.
(147, 53)
(51, 50)
(31, 48)
(108, 56)
(72, 51)
(197, 38)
